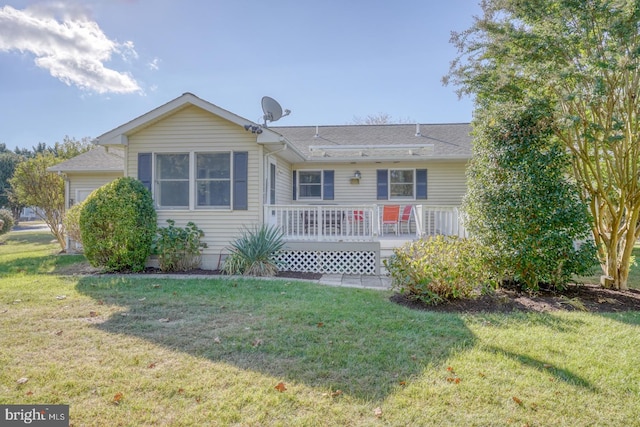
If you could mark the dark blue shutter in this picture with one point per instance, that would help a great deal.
(240, 181)
(327, 185)
(383, 184)
(295, 185)
(144, 169)
(421, 184)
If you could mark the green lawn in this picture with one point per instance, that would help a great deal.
(137, 352)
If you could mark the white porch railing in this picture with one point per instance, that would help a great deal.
(358, 222)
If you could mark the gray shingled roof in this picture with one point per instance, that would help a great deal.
(386, 142)
(95, 160)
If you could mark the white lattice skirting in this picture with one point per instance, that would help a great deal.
(329, 262)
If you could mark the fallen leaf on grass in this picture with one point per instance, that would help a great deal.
(61, 297)
(280, 387)
(455, 380)
(257, 342)
(403, 383)
(22, 380)
(217, 340)
(377, 412)
(93, 314)
(29, 393)
(336, 393)
(117, 398)
(142, 299)
(163, 320)
(518, 401)
(547, 366)
(151, 365)
(58, 333)
(320, 324)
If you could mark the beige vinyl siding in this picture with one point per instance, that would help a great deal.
(88, 182)
(195, 130)
(283, 181)
(446, 181)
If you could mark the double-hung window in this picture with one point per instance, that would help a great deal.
(310, 184)
(172, 180)
(213, 180)
(401, 184)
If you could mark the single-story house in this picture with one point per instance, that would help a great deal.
(325, 187)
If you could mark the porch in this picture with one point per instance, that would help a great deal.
(354, 239)
(363, 223)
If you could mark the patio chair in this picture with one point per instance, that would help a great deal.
(356, 222)
(390, 216)
(405, 218)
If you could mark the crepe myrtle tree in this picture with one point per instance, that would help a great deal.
(584, 57)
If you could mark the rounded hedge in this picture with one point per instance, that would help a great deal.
(118, 222)
(7, 221)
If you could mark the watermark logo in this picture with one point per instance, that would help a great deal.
(34, 415)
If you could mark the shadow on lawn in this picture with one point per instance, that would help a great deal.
(338, 339)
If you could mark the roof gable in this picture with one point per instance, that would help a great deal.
(118, 136)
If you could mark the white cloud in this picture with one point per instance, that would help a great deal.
(74, 49)
(155, 64)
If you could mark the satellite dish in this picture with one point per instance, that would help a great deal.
(271, 109)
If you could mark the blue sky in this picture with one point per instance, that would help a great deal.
(82, 68)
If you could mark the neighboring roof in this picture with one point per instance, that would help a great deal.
(380, 142)
(98, 159)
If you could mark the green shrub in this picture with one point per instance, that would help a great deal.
(253, 253)
(7, 221)
(71, 222)
(178, 249)
(521, 204)
(118, 223)
(437, 269)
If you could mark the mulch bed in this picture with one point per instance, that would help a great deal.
(590, 298)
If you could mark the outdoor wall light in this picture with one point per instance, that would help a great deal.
(356, 175)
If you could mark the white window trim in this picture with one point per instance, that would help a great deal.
(155, 181)
(194, 181)
(413, 196)
(300, 197)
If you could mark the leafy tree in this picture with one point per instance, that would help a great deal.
(8, 162)
(379, 119)
(520, 204)
(584, 57)
(35, 186)
(118, 223)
